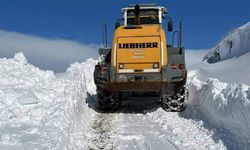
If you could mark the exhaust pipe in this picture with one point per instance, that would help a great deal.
(137, 14)
(180, 34)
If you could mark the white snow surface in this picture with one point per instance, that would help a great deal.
(40, 110)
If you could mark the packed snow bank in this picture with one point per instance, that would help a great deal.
(39, 110)
(223, 105)
(235, 44)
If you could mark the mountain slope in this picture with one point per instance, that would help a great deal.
(234, 45)
(225, 65)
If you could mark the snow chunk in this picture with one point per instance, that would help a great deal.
(27, 98)
(19, 57)
(5, 138)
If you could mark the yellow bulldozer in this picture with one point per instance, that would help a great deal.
(141, 61)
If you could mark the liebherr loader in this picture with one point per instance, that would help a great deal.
(141, 60)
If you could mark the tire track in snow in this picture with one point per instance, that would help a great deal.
(102, 128)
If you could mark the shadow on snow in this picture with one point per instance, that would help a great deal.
(131, 105)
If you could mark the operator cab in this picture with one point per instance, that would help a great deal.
(143, 14)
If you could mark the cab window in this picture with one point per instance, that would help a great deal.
(147, 16)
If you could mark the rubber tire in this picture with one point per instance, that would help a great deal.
(106, 104)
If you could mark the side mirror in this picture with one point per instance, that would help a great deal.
(117, 24)
(170, 25)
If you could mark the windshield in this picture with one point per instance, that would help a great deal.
(147, 16)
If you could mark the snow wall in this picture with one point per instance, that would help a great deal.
(225, 106)
(42, 110)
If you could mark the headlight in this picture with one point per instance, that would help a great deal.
(121, 66)
(155, 65)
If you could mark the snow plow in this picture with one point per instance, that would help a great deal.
(141, 62)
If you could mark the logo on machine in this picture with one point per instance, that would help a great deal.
(138, 45)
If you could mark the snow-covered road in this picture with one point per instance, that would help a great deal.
(130, 128)
(141, 124)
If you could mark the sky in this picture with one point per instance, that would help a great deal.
(205, 22)
(80, 22)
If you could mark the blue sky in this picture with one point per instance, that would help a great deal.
(205, 21)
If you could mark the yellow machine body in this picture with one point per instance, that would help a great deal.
(138, 49)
